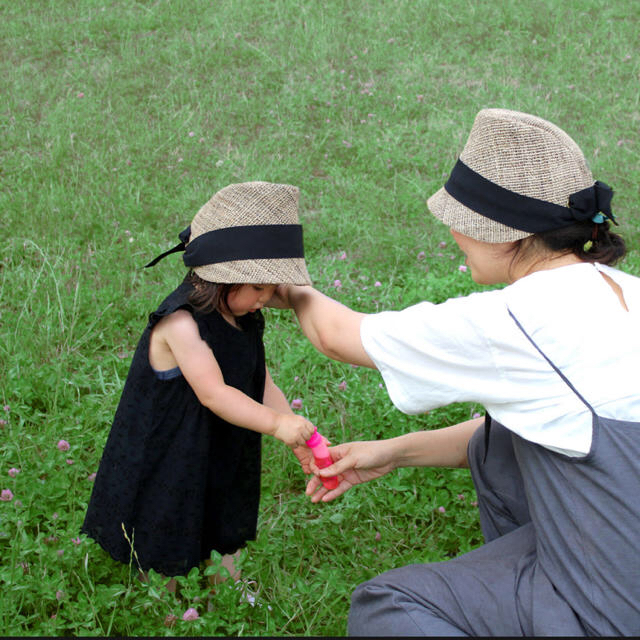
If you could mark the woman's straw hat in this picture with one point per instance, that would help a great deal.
(519, 152)
(251, 234)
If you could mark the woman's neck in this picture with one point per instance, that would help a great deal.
(544, 263)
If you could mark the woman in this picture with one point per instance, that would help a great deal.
(553, 359)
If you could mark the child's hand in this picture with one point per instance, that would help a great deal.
(293, 430)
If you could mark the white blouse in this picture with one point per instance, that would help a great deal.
(470, 350)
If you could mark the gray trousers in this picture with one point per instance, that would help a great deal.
(486, 592)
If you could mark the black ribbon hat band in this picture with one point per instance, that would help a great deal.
(523, 212)
(253, 242)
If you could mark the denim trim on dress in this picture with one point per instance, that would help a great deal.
(169, 374)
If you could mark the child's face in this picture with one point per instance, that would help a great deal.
(249, 297)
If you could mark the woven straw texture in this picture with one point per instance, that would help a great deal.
(247, 204)
(522, 153)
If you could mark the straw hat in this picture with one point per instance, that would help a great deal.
(522, 154)
(248, 233)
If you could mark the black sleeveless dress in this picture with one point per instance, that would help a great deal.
(179, 479)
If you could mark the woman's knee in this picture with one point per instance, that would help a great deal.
(375, 611)
(384, 606)
(364, 604)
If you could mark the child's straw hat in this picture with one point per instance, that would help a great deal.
(525, 156)
(247, 233)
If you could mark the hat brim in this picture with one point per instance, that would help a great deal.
(257, 271)
(469, 223)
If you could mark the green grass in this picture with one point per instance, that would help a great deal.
(120, 119)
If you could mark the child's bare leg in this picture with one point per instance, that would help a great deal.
(170, 585)
(229, 563)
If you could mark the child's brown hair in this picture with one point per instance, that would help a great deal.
(209, 296)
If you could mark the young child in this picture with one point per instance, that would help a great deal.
(180, 472)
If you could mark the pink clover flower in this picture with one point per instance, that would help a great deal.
(190, 614)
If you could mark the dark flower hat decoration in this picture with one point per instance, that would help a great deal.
(593, 203)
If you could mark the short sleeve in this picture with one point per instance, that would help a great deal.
(431, 355)
(470, 350)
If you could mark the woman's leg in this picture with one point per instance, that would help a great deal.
(474, 594)
(379, 610)
(502, 501)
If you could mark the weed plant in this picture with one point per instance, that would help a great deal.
(119, 120)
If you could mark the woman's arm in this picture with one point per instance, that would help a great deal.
(201, 370)
(358, 462)
(446, 447)
(332, 328)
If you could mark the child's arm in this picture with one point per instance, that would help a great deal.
(274, 398)
(179, 332)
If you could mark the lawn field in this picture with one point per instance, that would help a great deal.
(118, 120)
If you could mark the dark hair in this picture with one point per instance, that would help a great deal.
(588, 241)
(209, 296)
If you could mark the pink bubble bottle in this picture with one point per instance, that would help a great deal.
(322, 458)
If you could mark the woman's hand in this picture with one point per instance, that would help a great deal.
(354, 463)
(280, 298)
